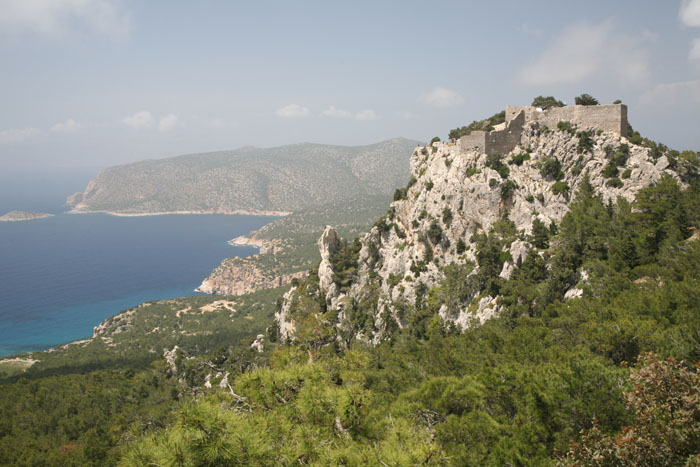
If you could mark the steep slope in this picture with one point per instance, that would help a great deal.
(288, 246)
(282, 179)
(442, 224)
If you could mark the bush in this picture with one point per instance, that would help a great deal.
(472, 171)
(540, 234)
(561, 188)
(518, 159)
(436, 139)
(507, 189)
(566, 126)
(550, 168)
(610, 170)
(493, 183)
(585, 142)
(447, 216)
(495, 162)
(434, 233)
(586, 99)
(399, 194)
(626, 174)
(614, 183)
(461, 246)
(546, 102)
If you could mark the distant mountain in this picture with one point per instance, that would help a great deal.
(286, 178)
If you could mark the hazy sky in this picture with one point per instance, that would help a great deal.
(91, 83)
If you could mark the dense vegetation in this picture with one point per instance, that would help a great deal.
(516, 390)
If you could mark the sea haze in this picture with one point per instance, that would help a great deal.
(63, 275)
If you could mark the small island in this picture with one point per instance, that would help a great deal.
(19, 216)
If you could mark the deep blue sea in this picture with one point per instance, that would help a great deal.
(63, 275)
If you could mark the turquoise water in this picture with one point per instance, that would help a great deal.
(63, 275)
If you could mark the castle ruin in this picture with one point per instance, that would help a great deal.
(506, 136)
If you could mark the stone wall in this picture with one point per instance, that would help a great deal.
(611, 117)
(593, 117)
(490, 142)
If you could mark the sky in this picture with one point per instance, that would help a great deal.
(94, 83)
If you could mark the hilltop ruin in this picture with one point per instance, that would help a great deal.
(506, 136)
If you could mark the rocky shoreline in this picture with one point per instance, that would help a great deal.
(242, 212)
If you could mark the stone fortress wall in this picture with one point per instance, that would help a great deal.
(506, 136)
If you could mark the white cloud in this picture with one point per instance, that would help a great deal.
(694, 53)
(17, 135)
(69, 126)
(56, 18)
(167, 122)
(583, 50)
(367, 114)
(336, 113)
(690, 13)
(672, 94)
(293, 111)
(139, 120)
(442, 98)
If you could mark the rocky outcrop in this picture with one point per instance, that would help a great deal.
(327, 245)
(240, 276)
(455, 193)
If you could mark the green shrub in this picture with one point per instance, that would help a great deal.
(566, 126)
(429, 185)
(436, 139)
(493, 183)
(461, 246)
(518, 159)
(586, 99)
(585, 142)
(507, 189)
(530, 199)
(626, 174)
(495, 162)
(546, 102)
(447, 216)
(399, 194)
(472, 171)
(561, 188)
(550, 168)
(610, 170)
(614, 182)
(540, 198)
(434, 233)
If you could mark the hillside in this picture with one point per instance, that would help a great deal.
(256, 180)
(288, 245)
(536, 306)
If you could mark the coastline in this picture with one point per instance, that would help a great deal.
(242, 212)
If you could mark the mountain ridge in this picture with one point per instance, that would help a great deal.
(253, 180)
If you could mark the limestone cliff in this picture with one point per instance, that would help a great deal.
(455, 193)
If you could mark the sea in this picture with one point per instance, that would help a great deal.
(61, 276)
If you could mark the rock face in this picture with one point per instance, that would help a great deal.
(19, 216)
(240, 276)
(455, 193)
